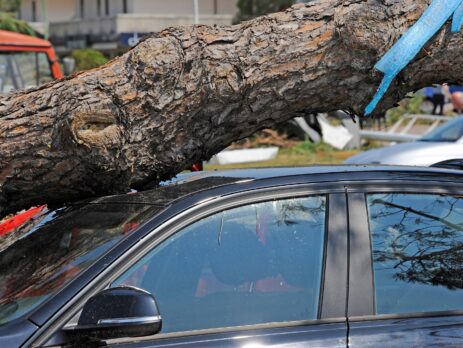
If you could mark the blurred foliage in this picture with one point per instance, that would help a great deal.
(9, 5)
(409, 105)
(10, 23)
(307, 147)
(253, 8)
(88, 58)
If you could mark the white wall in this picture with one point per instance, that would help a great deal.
(90, 8)
(183, 7)
(58, 10)
(62, 10)
(227, 7)
(116, 6)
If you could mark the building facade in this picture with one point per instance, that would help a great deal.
(115, 25)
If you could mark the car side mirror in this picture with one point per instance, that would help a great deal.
(116, 313)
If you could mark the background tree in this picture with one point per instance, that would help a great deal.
(88, 58)
(10, 23)
(11, 6)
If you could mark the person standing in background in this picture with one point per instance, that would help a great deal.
(438, 99)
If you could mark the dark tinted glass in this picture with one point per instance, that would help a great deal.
(254, 264)
(41, 257)
(417, 243)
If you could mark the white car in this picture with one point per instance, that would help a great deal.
(442, 144)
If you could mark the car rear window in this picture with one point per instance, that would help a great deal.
(39, 258)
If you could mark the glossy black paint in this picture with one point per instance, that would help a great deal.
(334, 302)
(114, 303)
(322, 335)
(361, 298)
(224, 184)
(439, 331)
(15, 335)
(118, 312)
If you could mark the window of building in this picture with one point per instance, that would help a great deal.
(82, 8)
(34, 11)
(124, 6)
(417, 243)
(98, 8)
(106, 7)
(258, 263)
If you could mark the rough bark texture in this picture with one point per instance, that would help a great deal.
(184, 94)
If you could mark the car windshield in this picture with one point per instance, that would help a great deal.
(42, 256)
(20, 70)
(450, 132)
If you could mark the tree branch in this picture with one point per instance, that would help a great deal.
(184, 94)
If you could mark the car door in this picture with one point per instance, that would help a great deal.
(253, 270)
(406, 269)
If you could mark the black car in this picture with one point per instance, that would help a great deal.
(301, 257)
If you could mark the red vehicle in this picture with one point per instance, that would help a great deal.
(26, 61)
(10, 224)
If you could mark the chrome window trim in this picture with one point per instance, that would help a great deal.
(193, 333)
(416, 315)
(122, 321)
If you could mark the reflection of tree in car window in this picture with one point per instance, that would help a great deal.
(41, 258)
(417, 250)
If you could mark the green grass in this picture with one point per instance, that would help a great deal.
(304, 153)
(410, 105)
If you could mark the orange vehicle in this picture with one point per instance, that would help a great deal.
(26, 61)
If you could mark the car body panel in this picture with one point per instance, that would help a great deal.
(322, 335)
(16, 335)
(444, 331)
(335, 174)
(361, 299)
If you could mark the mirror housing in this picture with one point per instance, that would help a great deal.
(117, 313)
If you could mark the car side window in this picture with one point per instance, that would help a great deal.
(417, 244)
(257, 263)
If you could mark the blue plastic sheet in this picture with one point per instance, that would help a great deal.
(410, 44)
(457, 20)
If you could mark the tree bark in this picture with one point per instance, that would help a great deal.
(186, 93)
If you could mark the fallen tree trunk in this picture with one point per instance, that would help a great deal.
(184, 94)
